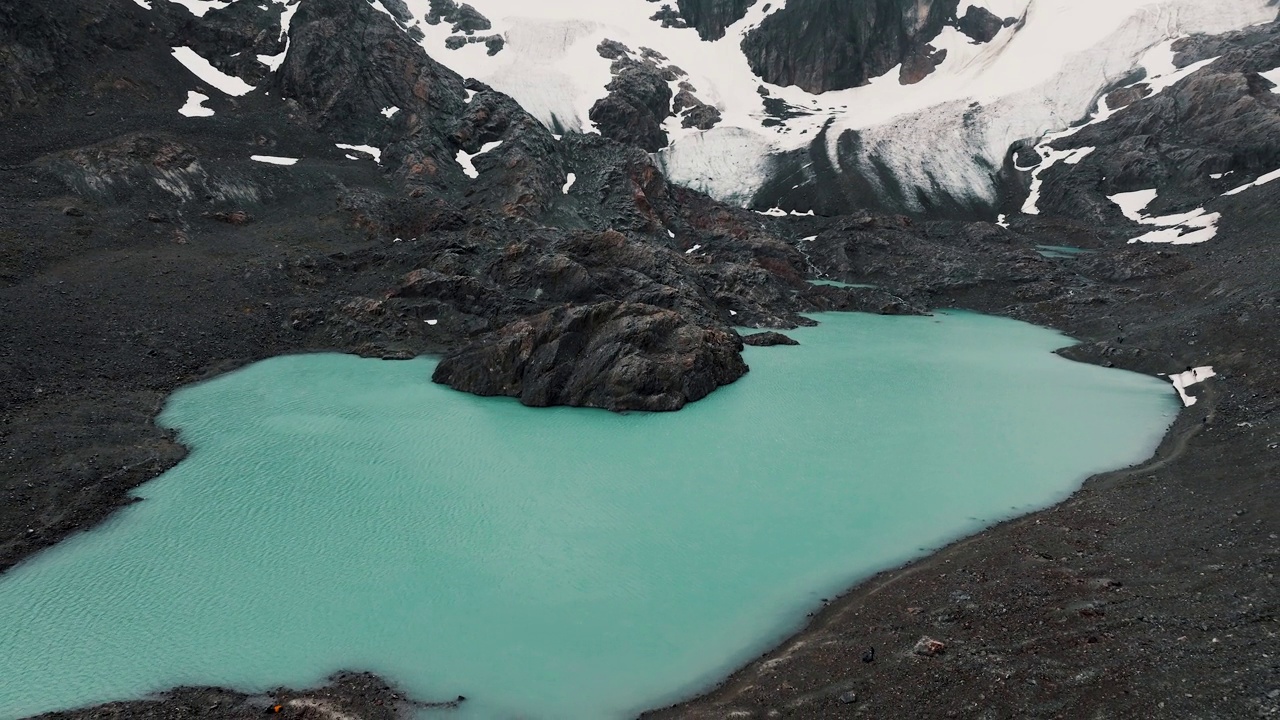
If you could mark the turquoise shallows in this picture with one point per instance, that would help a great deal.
(558, 564)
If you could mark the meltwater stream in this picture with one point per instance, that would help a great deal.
(562, 563)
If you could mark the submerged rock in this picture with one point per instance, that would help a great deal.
(612, 355)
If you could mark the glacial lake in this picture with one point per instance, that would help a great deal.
(554, 564)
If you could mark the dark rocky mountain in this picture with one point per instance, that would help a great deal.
(823, 45)
(1215, 130)
(711, 17)
(142, 250)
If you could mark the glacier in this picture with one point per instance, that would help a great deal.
(941, 141)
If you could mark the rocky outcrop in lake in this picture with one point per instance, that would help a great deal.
(616, 356)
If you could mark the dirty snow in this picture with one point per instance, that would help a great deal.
(202, 69)
(195, 106)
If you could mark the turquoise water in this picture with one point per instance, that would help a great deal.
(339, 512)
(1062, 252)
(837, 283)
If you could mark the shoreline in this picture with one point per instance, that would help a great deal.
(790, 640)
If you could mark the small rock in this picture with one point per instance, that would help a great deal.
(767, 339)
(71, 211)
(849, 697)
(869, 656)
(928, 647)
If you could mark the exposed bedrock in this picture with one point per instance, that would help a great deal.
(822, 45)
(767, 339)
(343, 79)
(639, 100)
(612, 355)
(1215, 130)
(982, 25)
(711, 17)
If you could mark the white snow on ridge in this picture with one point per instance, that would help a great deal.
(1182, 381)
(204, 70)
(1040, 75)
(195, 106)
(274, 160)
(144, 4)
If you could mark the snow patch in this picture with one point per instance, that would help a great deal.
(1133, 203)
(1199, 227)
(195, 106)
(274, 61)
(144, 4)
(1182, 381)
(1048, 158)
(367, 149)
(390, 112)
(1187, 228)
(1274, 77)
(1262, 180)
(273, 159)
(465, 159)
(779, 212)
(569, 180)
(200, 7)
(693, 249)
(204, 70)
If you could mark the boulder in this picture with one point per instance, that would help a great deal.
(767, 339)
(612, 355)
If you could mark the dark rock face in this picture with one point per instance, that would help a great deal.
(920, 63)
(692, 111)
(639, 100)
(233, 37)
(38, 40)
(711, 17)
(981, 24)
(617, 356)
(767, 339)
(823, 45)
(1222, 120)
(464, 18)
